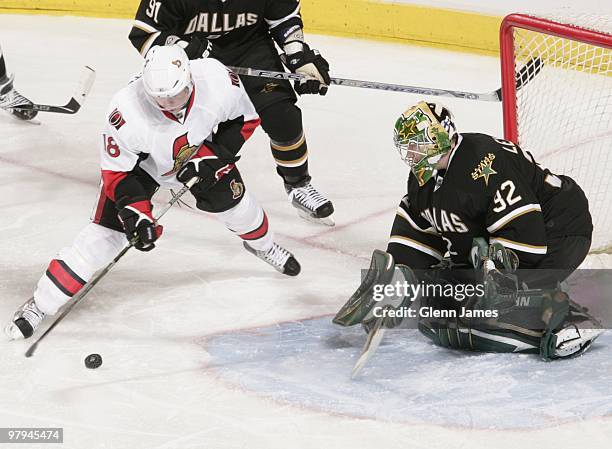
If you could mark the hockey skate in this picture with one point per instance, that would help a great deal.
(310, 203)
(574, 335)
(10, 97)
(278, 257)
(25, 321)
(572, 341)
(578, 333)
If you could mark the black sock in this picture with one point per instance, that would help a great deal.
(2, 66)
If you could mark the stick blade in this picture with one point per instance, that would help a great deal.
(88, 76)
(524, 75)
(528, 72)
(375, 336)
(31, 350)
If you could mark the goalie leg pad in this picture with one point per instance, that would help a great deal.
(453, 335)
(507, 333)
(545, 322)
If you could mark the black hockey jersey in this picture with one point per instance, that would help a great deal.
(493, 189)
(233, 26)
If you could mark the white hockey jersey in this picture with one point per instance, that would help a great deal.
(138, 133)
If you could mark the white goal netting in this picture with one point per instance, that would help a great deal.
(564, 114)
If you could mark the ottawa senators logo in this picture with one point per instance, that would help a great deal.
(116, 119)
(181, 153)
(235, 80)
(237, 189)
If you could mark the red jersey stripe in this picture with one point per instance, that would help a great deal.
(110, 179)
(64, 278)
(249, 128)
(258, 233)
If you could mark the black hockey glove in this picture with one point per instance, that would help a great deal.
(311, 64)
(138, 223)
(210, 164)
(199, 48)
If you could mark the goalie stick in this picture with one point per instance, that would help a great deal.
(100, 274)
(375, 336)
(74, 104)
(523, 76)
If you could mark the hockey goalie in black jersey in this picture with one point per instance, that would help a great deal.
(477, 186)
(482, 204)
(243, 33)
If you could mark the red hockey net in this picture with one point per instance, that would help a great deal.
(563, 114)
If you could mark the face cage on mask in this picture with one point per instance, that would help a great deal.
(413, 153)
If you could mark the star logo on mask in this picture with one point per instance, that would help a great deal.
(407, 128)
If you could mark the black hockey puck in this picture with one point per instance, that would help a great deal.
(93, 361)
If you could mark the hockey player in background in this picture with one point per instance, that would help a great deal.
(179, 120)
(243, 33)
(476, 201)
(9, 95)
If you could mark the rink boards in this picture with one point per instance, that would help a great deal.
(391, 21)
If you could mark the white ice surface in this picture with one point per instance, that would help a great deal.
(154, 315)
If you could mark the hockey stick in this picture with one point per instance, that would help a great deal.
(375, 336)
(100, 274)
(74, 104)
(523, 76)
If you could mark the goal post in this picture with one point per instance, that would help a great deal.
(563, 115)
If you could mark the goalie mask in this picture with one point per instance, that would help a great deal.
(423, 135)
(166, 78)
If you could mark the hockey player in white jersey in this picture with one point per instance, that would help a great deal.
(178, 120)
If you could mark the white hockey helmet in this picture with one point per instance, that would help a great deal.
(166, 77)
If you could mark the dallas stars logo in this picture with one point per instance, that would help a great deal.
(484, 169)
(269, 87)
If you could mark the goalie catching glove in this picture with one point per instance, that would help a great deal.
(139, 224)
